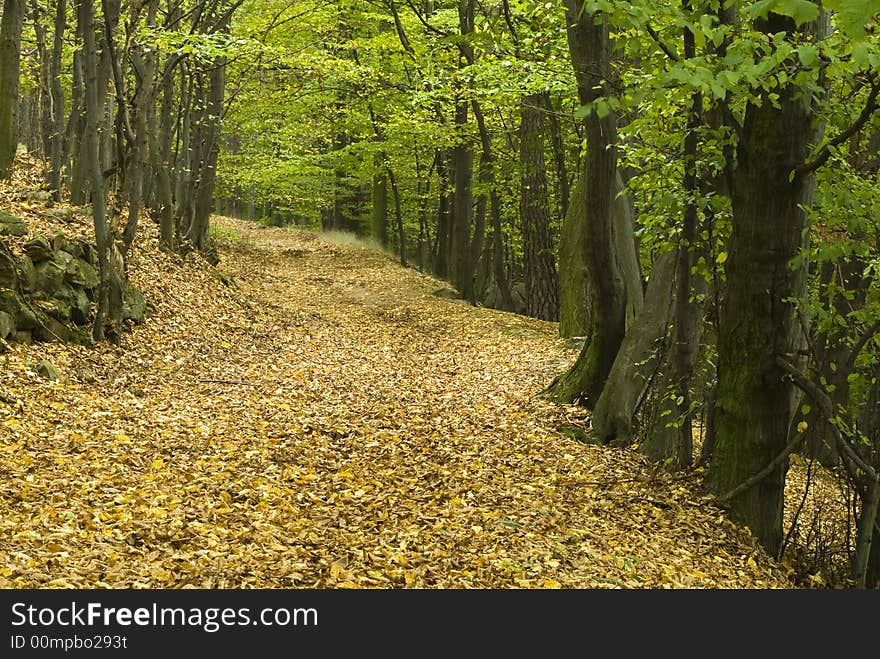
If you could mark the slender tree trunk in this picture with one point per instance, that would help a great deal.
(462, 207)
(198, 233)
(398, 214)
(56, 94)
(92, 165)
(45, 97)
(379, 224)
(79, 191)
(144, 65)
(757, 321)
(10, 64)
(444, 217)
(542, 284)
(563, 191)
(671, 443)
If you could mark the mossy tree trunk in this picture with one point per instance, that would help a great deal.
(590, 46)
(638, 360)
(757, 320)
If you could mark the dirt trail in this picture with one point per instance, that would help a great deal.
(321, 420)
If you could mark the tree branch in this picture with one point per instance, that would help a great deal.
(671, 54)
(871, 106)
(826, 406)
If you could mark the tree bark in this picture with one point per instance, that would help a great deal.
(56, 94)
(590, 46)
(92, 164)
(638, 359)
(10, 64)
(541, 279)
(757, 322)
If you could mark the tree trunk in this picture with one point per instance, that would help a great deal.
(563, 192)
(671, 442)
(10, 63)
(757, 323)
(56, 94)
(638, 359)
(92, 164)
(462, 208)
(542, 283)
(379, 224)
(442, 241)
(198, 232)
(590, 46)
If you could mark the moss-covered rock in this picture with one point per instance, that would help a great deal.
(78, 303)
(39, 249)
(27, 275)
(86, 251)
(48, 370)
(80, 273)
(57, 308)
(49, 277)
(10, 225)
(8, 271)
(7, 324)
(52, 330)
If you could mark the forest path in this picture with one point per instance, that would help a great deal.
(324, 421)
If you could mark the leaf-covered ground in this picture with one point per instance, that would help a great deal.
(310, 415)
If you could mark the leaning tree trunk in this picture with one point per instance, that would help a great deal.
(10, 63)
(590, 46)
(638, 359)
(757, 320)
(542, 283)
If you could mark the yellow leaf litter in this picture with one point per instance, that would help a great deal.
(321, 420)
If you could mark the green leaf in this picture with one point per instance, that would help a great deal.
(808, 55)
(853, 15)
(802, 11)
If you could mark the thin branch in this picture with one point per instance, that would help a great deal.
(826, 406)
(871, 106)
(766, 471)
(671, 54)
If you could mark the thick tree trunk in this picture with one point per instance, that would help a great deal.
(590, 46)
(757, 321)
(10, 63)
(574, 281)
(542, 282)
(638, 359)
(671, 443)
